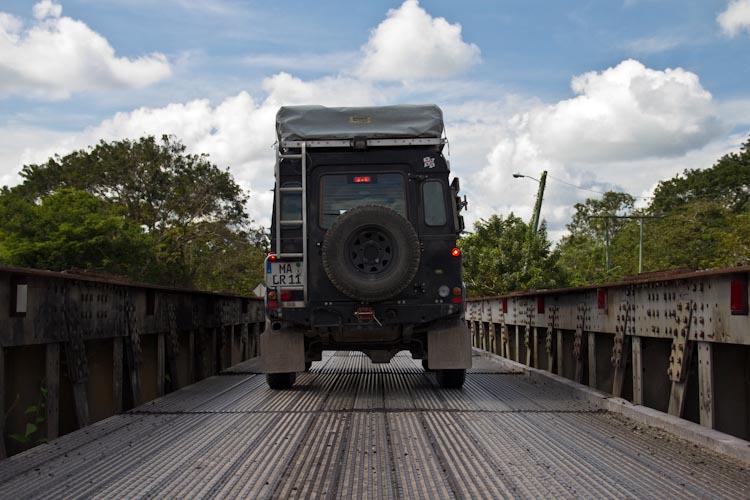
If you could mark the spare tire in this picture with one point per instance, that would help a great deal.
(371, 253)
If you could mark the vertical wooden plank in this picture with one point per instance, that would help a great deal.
(560, 352)
(619, 376)
(160, 364)
(592, 359)
(706, 384)
(3, 453)
(191, 357)
(679, 388)
(637, 371)
(536, 347)
(527, 343)
(117, 370)
(52, 380)
(232, 355)
(213, 352)
(551, 351)
(517, 354)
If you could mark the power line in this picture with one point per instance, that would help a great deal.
(594, 190)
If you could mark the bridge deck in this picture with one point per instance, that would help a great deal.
(351, 429)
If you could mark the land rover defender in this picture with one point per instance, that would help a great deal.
(363, 238)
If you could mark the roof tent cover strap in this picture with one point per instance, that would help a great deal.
(302, 123)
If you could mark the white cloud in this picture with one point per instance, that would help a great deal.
(46, 8)
(412, 45)
(625, 113)
(628, 127)
(735, 18)
(57, 56)
(654, 45)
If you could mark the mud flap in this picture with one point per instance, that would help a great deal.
(282, 351)
(449, 346)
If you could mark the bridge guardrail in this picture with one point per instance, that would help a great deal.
(677, 342)
(77, 348)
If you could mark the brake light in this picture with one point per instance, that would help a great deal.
(272, 257)
(286, 295)
(273, 305)
(456, 252)
(456, 300)
(362, 179)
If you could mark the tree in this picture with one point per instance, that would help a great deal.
(494, 256)
(727, 182)
(583, 251)
(69, 229)
(184, 205)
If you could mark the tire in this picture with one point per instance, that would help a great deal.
(371, 253)
(279, 381)
(426, 366)
(451, 379)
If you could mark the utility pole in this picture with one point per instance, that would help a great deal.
(640, 227)
(534, 225)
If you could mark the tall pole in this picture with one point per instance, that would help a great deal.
(535, 217)
(538, 204)
(606, 243)
(640, 246)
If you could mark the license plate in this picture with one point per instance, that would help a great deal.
(284, 274)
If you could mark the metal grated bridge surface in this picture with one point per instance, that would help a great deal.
(351, 429)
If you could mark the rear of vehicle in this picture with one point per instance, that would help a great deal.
(364, 242)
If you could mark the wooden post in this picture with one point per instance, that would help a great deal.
(551, 350)
(52, 382)
(527, 343)
(191, 357)
(592, 359)
(619, 376)
(517, 354)
(160, 364)
(637, 371)
(706, 383)
(560, 352)
(117, 354)
(3, 453)
(536, 347)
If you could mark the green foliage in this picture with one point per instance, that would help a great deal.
(36, 415)
(582, 252)
(145, 209)
(494, 257)
(727, 183)
(69, 229)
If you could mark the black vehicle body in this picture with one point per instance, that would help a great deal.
(376, 223)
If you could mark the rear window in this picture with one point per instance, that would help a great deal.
(434, 203)
(342, 192)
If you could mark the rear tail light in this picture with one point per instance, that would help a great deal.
(456, 300)
(456, 252)
(286, 295)
(738, 296)
(271, 295)
(272, 257)
(457, 290)
(273, 305)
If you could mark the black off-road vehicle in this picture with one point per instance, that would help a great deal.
(364, 242)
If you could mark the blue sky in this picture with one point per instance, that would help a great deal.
(611, 94)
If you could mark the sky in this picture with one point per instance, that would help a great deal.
(602, 94)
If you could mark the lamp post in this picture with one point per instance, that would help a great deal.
(537, 210)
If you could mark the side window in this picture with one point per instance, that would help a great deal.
(291, 202)
(433, 198)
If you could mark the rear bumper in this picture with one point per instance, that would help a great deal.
(344, 314)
